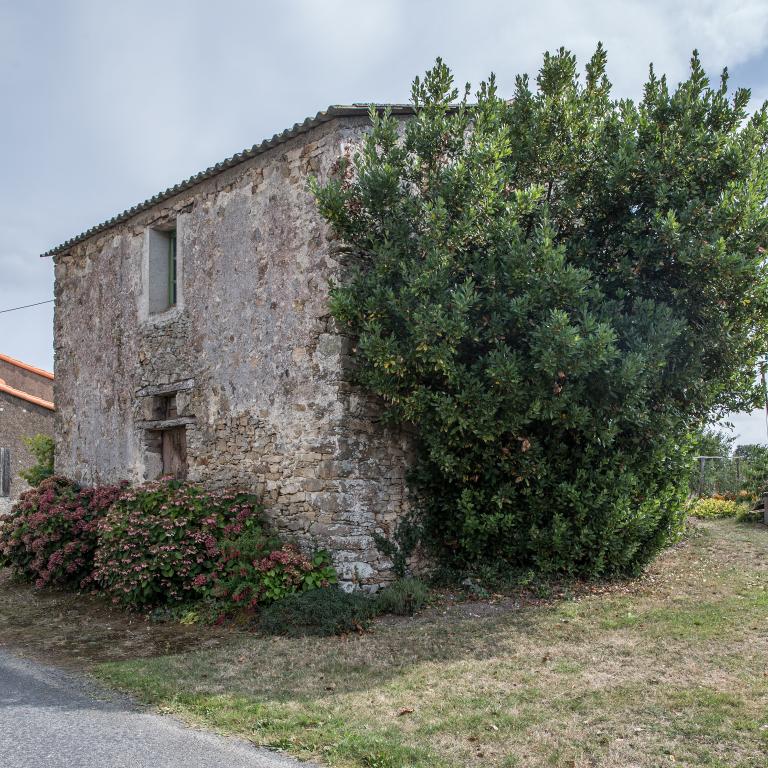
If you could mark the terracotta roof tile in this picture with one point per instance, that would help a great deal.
(26, 366)
(26, 396)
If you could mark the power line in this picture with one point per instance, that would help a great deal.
(26, 306)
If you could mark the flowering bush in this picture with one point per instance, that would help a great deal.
(253, 570)
(235, 582)
(714, 507)
(286, 571)
(49, 536)
(161, 542)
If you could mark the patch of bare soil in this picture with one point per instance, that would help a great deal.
(78, 630)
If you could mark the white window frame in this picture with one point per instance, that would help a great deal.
(151, 232)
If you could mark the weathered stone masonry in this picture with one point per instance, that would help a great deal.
(257, 370)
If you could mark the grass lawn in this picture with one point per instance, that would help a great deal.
(671, 669)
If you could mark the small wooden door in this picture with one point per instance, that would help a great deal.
(174, 444)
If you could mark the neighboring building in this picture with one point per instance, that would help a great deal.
(193, 338)
(26, 409)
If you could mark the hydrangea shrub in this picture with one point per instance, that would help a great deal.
(254, 569)
(287, 571)
(50, 535)
(160, 543)
(163, 543)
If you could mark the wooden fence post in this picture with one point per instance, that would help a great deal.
(5, 471)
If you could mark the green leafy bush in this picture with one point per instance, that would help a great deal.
(235, 582)
(254, 569)
(42, 448)
(287, 570)
(401, 546)
(556, 291)
(50, 535)
(319, 612)
(714, 507)
(161, 542)
(747, 514)
(754, 468)
(403, 597)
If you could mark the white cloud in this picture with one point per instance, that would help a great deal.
(747, 427)
(728, 31)
(107, 103)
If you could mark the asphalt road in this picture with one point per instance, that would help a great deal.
(54, 719)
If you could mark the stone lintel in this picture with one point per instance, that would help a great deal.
(165, 389)
(160, 424)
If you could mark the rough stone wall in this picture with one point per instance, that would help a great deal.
(20, 419)
(259, 371)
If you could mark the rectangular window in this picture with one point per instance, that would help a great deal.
(164, 407)
(172, 268)
(163, 270)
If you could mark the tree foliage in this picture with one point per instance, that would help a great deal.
(42, 448)
(713, 442)
(754, 464)
(556, 291)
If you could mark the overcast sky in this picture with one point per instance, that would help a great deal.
(106, 103)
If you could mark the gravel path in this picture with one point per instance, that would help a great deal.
(54, 719)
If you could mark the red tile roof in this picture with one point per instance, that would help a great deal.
(26, 366)
(26, 396)
(9, 390)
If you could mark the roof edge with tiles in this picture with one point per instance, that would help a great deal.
(22, 395)
(26, 366)
(333, 112)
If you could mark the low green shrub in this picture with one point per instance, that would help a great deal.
(50, 535)
(161, 542)
(749, 515)
(713, 507)
(235, 581)
(319, 612)
(205, 611)
(42, 448)
(403, 597)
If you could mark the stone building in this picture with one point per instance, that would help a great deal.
(26, 409)
(193, 338)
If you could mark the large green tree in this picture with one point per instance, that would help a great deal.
(556, 290)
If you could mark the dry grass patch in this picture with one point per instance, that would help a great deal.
(667, 670)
